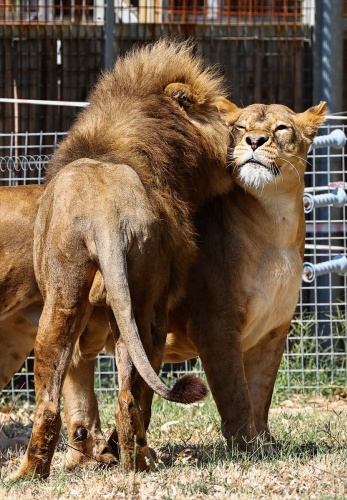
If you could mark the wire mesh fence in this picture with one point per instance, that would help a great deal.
(316, 352)
(137, 11)
(25, 156)
(55, 50)
(316, 347)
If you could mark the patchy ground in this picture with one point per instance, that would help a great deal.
(194, 462)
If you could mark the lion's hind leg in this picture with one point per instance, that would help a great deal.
(87, 443)
(130, 431)
(58, 331)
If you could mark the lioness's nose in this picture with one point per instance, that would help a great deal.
(255, 141)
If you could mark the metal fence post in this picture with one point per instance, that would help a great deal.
(328, 54)
(108, 54)
(327, 86)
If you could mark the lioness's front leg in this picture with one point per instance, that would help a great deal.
(261, 366)
(226, 375)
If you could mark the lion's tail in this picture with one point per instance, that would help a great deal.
(112, 259)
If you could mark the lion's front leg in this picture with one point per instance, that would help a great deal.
(58, 330)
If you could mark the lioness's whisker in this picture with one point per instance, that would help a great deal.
(276, 181)
(280, 173)
(303, 160)
(297, 156)
(278, 170)
(291, 164)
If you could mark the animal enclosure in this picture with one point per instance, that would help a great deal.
(55, 50)
(316, 353)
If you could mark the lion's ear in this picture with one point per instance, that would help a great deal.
(310, 120)
(181, 93)
(228, 111)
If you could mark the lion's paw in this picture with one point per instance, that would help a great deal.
(76, 458)
(29, 470)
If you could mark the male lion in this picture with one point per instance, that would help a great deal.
(115, 227)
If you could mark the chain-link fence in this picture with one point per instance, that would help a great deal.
(56, 50)
(316, 353)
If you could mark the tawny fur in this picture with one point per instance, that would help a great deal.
(115, 222)
(225, 268)
(243, 290)
(133, 119)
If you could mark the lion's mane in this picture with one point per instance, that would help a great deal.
(132, 120)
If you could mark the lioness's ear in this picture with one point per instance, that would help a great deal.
(311, 119)
(228, 111)
(183, 94)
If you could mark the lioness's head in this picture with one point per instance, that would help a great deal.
(271, 143)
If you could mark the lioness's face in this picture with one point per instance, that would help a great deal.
(271, 144)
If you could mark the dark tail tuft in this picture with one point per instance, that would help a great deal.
(188, 389)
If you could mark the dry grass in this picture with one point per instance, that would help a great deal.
(194, 462)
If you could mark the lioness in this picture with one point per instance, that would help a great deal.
(115, 227)
(18, 286)
(243, 289)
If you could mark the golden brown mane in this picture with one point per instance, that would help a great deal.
(131, 116)
(133, 119)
